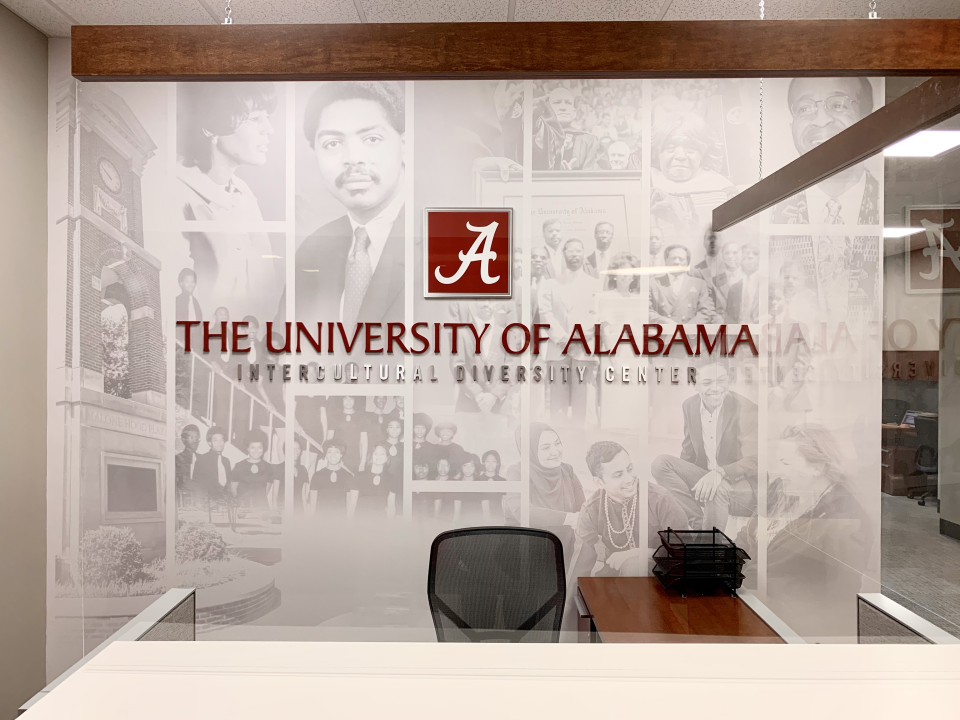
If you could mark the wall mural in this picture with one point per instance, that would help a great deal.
(304, 508)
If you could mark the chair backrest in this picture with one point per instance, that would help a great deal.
(929, 443)
(497, 584)
(893, 410)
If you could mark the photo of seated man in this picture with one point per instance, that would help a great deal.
(678, 297)
(716, 473)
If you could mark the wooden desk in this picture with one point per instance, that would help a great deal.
(439, 681)
(639, 610)
(897, 463)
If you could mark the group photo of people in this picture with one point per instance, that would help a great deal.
(352, 464)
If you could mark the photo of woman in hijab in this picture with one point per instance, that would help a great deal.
(222, 127)
(556, 494)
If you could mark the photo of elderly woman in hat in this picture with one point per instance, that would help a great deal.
(686, 183)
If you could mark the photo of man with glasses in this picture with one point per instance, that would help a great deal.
(839, 260)
(821, 108)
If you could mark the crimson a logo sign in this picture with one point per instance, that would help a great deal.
(468, 253)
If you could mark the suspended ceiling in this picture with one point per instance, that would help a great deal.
(54, 17)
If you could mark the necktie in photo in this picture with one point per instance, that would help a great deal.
(359, 273)
(833, 212)
(221, 472)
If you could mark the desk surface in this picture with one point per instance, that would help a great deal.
(638, 609)
(440, 681)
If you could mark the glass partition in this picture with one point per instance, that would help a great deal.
(686, 381)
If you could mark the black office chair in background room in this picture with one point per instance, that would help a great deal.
(893, 410)
(496, 584)
(926, 459)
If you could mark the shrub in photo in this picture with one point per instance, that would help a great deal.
(111, 554)
(200, 541)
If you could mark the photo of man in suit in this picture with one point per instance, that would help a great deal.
(552, 240)
(351, 269)
(743, 298)
(598, 260)
(212, 471)
(188, 308)
(820, 108)
(565, 301)
(187, 458)
(678, 297)
(716, 473)
(728, 273)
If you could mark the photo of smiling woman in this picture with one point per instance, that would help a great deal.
(221, 128)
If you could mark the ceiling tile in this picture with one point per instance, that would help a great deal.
(125, 12)
(290, 11)
(42, 16)
(569, 10)
(740, 9)
(892, 9)
(378, 11)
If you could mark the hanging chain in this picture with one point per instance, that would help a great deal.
(873, 11)
(761, 110)
(227, 20)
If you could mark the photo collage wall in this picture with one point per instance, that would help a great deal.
(304, 508)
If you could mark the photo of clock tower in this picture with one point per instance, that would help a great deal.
(107, 368)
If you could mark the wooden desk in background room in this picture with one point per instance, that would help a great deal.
(639, 610)
(898, 458)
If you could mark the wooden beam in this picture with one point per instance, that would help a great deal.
(769, 48)
(926, 105)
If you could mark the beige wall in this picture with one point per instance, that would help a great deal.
(23, 313)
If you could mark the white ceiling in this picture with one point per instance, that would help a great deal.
(54, 17)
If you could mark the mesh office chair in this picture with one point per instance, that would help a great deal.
(927, 459)
(497, 584)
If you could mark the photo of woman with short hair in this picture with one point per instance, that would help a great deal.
(222, 128)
